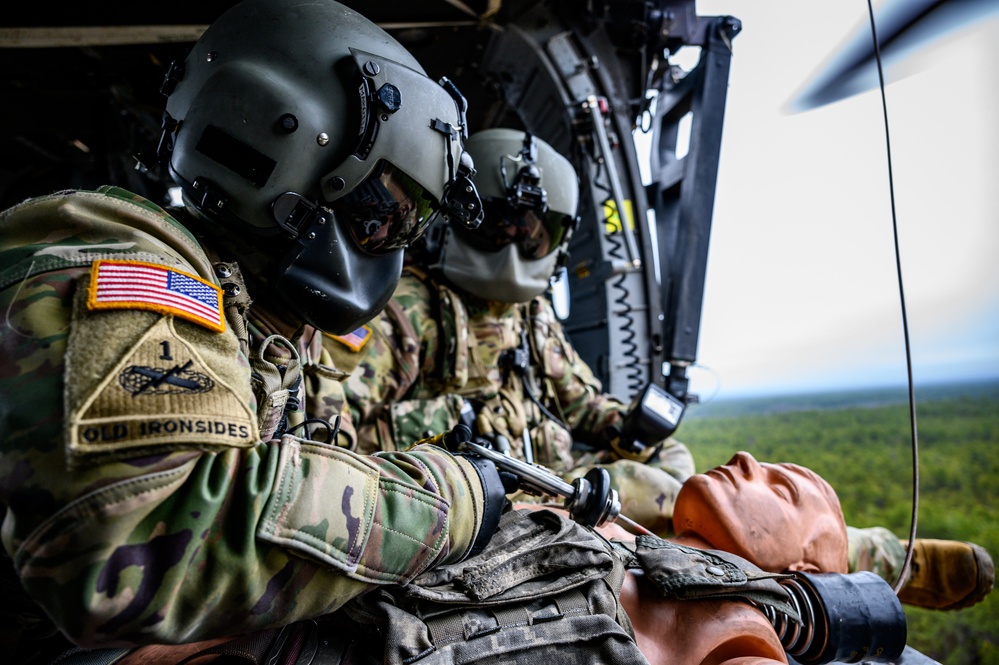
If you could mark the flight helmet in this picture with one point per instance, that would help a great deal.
(308, 131)
(529, 195)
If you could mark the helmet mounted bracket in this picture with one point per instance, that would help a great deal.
(461, 199)
(525, 191)
(294, 213)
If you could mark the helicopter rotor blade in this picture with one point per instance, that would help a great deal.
(904, 27)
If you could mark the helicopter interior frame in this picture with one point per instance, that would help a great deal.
(81, 92)
(82, 101)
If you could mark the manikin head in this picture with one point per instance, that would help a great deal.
(306, 135)
(778, 516)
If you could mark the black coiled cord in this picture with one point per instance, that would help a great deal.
(621, 305)
(844, 619)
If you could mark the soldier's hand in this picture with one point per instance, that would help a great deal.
(494, 499)
(494, 485)
(634, 450)
(499, 443)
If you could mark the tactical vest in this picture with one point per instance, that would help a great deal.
(470, 365)
(547, 590)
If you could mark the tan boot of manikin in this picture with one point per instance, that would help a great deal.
(948, 575)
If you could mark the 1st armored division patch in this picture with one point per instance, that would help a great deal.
(162, 395)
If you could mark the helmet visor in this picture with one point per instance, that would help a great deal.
(536, 234)
(387, 211)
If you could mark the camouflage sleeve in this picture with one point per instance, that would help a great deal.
(139, 508)
(192, 543)
(402, 350)
(377, 381)
(414, 311)
(587, 409)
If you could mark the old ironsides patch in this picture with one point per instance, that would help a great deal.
(161, 396)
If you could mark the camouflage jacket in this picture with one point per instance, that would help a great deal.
(141, 503)
(433, 348)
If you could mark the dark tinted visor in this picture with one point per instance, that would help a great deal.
(537, 234)
(387, 211)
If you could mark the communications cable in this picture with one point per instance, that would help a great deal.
(900, 581)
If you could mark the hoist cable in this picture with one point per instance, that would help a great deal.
(903, 573)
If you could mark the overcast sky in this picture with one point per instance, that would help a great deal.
(801, 289)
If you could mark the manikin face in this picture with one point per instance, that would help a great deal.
(778, 516)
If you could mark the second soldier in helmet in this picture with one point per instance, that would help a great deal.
(470, 322)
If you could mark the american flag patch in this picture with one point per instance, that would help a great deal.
(356, 340)
(140, 285)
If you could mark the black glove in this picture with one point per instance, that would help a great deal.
(494, 485)
(494, 503)
(635, 450)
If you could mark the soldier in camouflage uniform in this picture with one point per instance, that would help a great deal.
(470, 322)
(157, 481)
